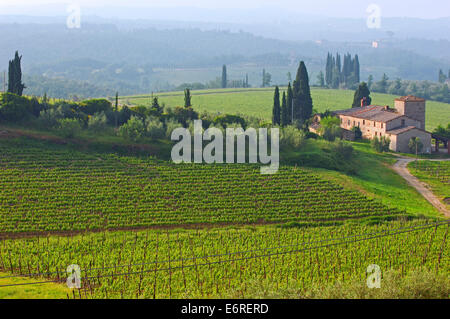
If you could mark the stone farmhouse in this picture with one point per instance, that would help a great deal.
(399, 124)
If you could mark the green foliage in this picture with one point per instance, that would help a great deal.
(185, 114)
(15, 84)
(187, 98)
(362, 93)
(303, 104)
(155, 128)
(381, 144)
(291, 137)
(357, 131)
(443, 132)
(344, 149)
(224, 76)
(330, 128)
(415, 145)
(225, 120)
(133, 130)
(93, 106)
(97, 122)
(14, 108)
(276, 111)
(170, 126)
(69, 128)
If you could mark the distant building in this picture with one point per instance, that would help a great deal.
(401, 124)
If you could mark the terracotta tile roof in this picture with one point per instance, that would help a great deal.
(372, 112)
(404, 129)
(410, 98)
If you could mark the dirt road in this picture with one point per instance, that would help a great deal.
(401, 168)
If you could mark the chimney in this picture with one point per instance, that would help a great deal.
(363, 102)
(386, 107)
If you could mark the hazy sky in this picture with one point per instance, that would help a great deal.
(330, 8)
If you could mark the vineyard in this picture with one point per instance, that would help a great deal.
(52, 188)
(227, 262)
(434, 173)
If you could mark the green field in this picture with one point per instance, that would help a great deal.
(259, 102)
(236, 262)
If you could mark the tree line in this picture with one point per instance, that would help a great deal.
(340, 74)
(296, 105)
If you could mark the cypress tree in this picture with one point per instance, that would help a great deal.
(187, 98)
(15, 84)
(356, 69)
(338, 68)
(284, 111)
(328, 71)
(116, 110)
(360, 93)
(224, 76)
(289, 99)
(302, 95)
(276, 111)
(441, 77)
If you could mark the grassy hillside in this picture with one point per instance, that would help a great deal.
(258, 102)
(31, 290)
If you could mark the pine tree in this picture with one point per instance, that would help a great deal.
(361, 93)
(15, 84)
(284, 111)
(289, 105)
(224, 76)
(246, 80)
(187, 98)
(302, 95)
(276, 111)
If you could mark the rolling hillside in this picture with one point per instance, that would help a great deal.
(258, 102)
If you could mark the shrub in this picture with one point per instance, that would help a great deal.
(344, 149)
(97, 122)
(330, 128)
(170, 126)
(226, 119)
(415, 145)
(357, 131)
(155, 129)
(133, 130)
(292, 137)
(14, 107)
(185, 114)
(380, 144)
(69, 127)
(93, 106)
